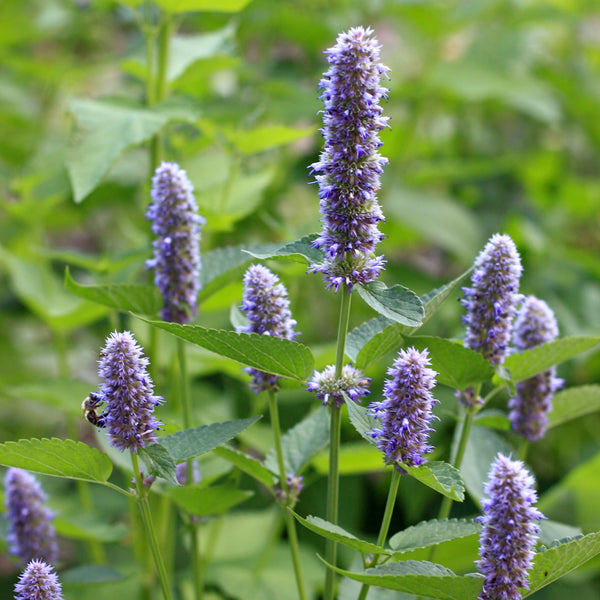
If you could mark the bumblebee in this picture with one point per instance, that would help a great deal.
(88, 406)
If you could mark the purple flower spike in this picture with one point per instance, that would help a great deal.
(330, 390)
(491, 300)
(30, 530)
(535, 325)
(349, 167)
(406, 411)
(38, 582)
(267, 307)
(128, 392)
(176, 261)
(509, 531)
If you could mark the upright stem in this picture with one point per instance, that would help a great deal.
(289, 519)
(142, 500)
(333, 482)
(385, 525)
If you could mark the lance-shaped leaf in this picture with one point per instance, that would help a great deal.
(214, 500)
(59, 458)
(574, 402)
(159, 462)
(421, 578)
(301, 442)
(431, 533)
(142, 299)
(299, 251)
(247, 464)
(285, 358)
(526, 364)
(189, 443)
(396, 303)
(337, 534)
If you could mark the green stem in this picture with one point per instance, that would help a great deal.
(333, 482)
(144, 508)
(184, 391)
(289, 519)
(385, 525)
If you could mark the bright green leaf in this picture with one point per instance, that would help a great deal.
(363, 334)
(388, 341)
(574, 402)
(439, 476)
(225, 6)
(247, 464)
(431, 533)
(300, 251)
(213, 500)
(264, 138)
(492, 418)
(396, 303)
(359, 417)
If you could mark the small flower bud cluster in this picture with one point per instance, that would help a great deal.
(509, 531)
(38, 582)
(535, 325)
(349, 167)
(406, 411)
(295, 484)
(176, 223)
(491, 300)
(128, 392)
(30, 530)
(330, 389)
(267, 307)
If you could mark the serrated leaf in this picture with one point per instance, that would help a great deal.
(334, 532)
(59, 458)
(88, 574)
(526, 364)
(396, 303)
(439, 476)
(189, 443)
(421, 578)
(363, 334)
(247, 464)
(105, 129)
(431, 533)
(457, 366)
(159, 462)
(213, 500)
(301, 442)
(285, 358)
(179, 6)
(141, 299)
(267, 137)
(574, 402)
(300, 251)
(553, 563)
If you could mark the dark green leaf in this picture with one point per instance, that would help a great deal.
(203, 501)
(90, 574)
(88, 526)
(431, 533)
(299, 251)
(361, 335)
(574, 402)
(390, 340)
(492, 418)
(159, 462)
(396, 303)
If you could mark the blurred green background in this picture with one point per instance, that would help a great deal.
(494, 128)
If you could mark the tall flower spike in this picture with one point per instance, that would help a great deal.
(30, 530)
(38, 582)
(176, 223)
(267, 308)
(349, 167)
(330, 390)
(509, 532)
(491, 300)
(406, 411)
(128, 392)
(535, 325)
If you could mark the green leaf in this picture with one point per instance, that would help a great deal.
(159, 462)
(396, 303)
(285, 358)
(267, 137)
(431, 533)
(299, 251)
(361, 335)
(457, 366)
(574, 402)
(434, 299)
(106, 129)
(439, 476)
(88, 574)
(141, 299)
(225, 6)
(421, 578)
(301, 443)
(247, 464)
(189, 443)
(214, 500)
(555, 562)
(88, 526)
(333, 532)
(59, 458)
(359, 417)
(390, 340)
(355, 458)
(492, 418)
(528, 363)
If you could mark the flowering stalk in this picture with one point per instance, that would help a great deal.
(31, 534)
(330, 389)
(38, 582)
(508, 536)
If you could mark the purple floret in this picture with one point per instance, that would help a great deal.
(30, 530)
(176, 223)
(406, 411)
(331, 390)
(267, 307)
(509, 533)
(38, 582)
(535, 325)
(350, 166)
